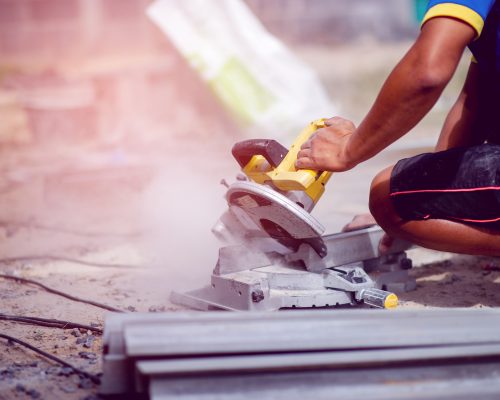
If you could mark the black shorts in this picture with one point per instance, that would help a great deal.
(461, 184)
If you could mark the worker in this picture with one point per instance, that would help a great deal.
(449, 199)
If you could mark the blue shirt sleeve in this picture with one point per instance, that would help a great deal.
(473, 12)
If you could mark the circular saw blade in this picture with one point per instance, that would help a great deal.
(275, 214)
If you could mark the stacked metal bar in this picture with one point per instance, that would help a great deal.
(314, 354)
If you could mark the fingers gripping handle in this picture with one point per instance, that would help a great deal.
(288, 177)
(271, 150)
(299, 141)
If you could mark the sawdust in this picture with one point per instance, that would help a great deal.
(118, 275)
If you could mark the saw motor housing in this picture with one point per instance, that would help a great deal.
(267, 162)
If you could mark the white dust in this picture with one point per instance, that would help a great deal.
(180, 208)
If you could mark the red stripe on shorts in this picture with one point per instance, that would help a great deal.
(446, 190)
(454, 190)
(477, 220)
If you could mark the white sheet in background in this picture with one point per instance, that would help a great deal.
(259, 81)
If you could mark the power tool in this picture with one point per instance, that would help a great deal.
(275, 254)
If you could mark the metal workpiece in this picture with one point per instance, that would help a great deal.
(334, 329)
(320, 354)
(348, 247)
(409, 383)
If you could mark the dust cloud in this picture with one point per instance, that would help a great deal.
(180, 208)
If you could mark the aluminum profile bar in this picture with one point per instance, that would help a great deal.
(320, 354)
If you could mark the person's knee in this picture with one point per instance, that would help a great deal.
(380, 203)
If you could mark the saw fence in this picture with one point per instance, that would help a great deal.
(320, 354)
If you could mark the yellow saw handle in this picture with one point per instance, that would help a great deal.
(284, 176)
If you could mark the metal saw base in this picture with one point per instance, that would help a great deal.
(247, 279)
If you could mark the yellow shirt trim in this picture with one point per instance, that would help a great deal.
(473, 59)
(457, 11)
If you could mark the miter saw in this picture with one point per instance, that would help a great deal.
(276, 256)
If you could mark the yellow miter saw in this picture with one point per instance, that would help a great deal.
(275, 255)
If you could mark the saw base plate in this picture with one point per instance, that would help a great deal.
(245, 279)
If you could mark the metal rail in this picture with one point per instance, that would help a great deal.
(351, 354)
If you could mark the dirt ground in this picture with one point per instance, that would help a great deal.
(125, 225)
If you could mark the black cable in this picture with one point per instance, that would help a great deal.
(22, 224)
(92, 377)
(51, 323)
(59, 293)
(63, 258)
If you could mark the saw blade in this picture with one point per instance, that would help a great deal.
(275, 214)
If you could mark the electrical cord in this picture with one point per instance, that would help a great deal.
(59, 293)
(63, 258)
(51, 323)
(92, 377)
(22, 224)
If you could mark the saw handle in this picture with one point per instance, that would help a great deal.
(270, 149)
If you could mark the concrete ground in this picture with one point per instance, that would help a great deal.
(124, 225)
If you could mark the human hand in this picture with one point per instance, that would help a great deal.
(326, 149)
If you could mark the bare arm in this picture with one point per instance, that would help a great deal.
(458, 128)
(408, 94)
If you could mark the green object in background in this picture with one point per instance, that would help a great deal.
(240, 91)
(420, 7)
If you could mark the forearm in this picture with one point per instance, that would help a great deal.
(403, 101)
(412, 88)
(408, 94)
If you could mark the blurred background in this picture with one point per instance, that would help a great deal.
(95, 98)
(81, 70)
